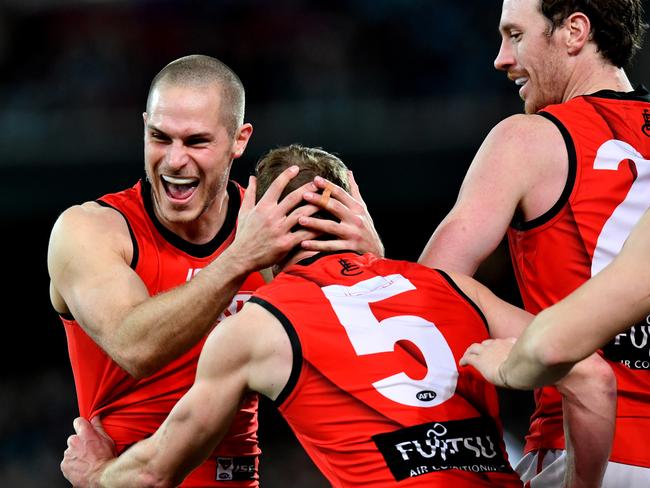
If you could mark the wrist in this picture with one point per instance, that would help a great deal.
(236, 263)
(501, 374)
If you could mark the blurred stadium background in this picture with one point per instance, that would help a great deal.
(403, 90)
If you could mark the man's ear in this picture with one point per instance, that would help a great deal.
(578, 28)
(242, 136)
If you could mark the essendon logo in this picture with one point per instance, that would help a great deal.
(348, 268)
(646, 122)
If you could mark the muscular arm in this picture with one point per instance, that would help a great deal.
(88, 260)
(588, 390)
(609, 303)
(248, 351)
(521, 165)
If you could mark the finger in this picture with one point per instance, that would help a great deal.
(324, 226)
(325, 246)
(475, 348)
(248, 202)
(278, 185)
(338, 193)
(99, 427)
(300, 213)
(331, 204)
(72, 441)
(354, 188)
(290, 201)
(296, 238)
(325, 196)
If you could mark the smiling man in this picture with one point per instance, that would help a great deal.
(125, 269)
(566, 182)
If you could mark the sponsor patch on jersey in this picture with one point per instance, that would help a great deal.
(632, 347)
(468, 445)
(238, 468)
(646, 122)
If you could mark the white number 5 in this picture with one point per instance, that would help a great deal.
(370, 336)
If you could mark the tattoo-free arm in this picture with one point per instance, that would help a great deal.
(88, 260)
(572, 329)
(519, 167)
(588, 390)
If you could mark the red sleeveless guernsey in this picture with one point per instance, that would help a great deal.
(607, 136)
(376, 396)
(132, 410)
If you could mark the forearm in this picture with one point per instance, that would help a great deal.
(194, 427)
(589, 412)
(526, 367)
(133, 469)
(164, 326)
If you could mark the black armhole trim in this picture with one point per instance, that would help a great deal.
(196, 250)
(66, 316)
(462, 294)
(136, 252)
(296, 366)
(639, 94)
(519, 224)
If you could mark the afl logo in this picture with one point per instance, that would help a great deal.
(426, 395)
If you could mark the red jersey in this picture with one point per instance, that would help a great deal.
(607, 136)
(133, 409)
(376, 396)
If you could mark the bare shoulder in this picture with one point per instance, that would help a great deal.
(91, 216)
(255, 340)
(468, 285)
(90, 224)
(256, 330)
(529, 128)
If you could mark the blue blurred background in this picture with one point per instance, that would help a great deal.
(403, 90)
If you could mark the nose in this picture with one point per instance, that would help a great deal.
(505, 58)
(177, 156)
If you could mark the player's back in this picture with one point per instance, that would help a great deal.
(376, 395)
(607, 136)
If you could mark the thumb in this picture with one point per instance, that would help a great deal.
(82, 427)
(99, 430)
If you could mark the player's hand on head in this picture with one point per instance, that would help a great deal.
(264, 230)
(355, 231)
(89, 449)
(487, 357)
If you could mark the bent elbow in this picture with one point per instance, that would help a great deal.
(138, 364)
(593, 374)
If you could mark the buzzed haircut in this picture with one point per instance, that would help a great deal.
(617, 26)
(201, 70)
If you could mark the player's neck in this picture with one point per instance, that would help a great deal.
(298, 256)
(603, 76)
